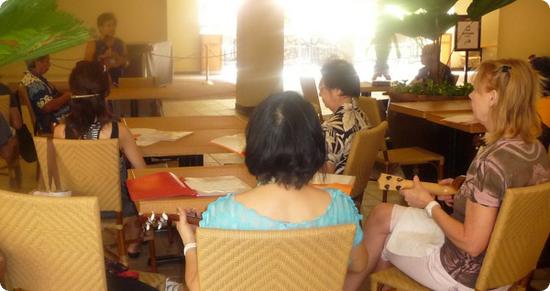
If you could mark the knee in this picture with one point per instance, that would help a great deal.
(381, 214)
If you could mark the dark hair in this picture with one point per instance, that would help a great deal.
(542, 66)
(31, 64)
(104, 17)
(339, 74)
(284, 141)
(88, 78)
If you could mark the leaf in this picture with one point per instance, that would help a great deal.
(33, 28)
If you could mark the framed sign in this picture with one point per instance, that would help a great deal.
(467, 35)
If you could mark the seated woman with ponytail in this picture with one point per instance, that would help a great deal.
(89, 118)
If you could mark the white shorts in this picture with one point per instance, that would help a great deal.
(427, 269)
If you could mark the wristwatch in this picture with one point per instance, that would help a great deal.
(429, 207)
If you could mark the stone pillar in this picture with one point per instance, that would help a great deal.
(260, 51)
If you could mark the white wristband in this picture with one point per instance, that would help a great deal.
(429, 207)
(188, 247)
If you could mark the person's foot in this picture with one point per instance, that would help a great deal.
(134, 250)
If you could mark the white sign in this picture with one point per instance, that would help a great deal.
(467, 35)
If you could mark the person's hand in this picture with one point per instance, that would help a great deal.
(187, 232)
(448, 199)
(417, 196)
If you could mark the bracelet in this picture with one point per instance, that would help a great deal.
(189, 247)
(429, 207)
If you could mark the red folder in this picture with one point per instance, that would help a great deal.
(158, 185)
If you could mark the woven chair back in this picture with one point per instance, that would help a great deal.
(364, 148)
(85, 167)
(24, 99)
(309, 90)
(304, 259)
(5, 107)
(51, 243)
(369, 106)
(520, 231)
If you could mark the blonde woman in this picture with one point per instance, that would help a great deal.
(504, 99)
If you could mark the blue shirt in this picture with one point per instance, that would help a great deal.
(227, 213)
(41, 92)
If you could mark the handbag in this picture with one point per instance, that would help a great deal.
(53, 174)
(26, 144)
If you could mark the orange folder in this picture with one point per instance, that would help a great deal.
(158, 185)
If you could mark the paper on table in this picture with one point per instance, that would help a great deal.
(341, 182)
(235, 143)
(149, 136)
(216, 186)
(461, 118)
(320, 178)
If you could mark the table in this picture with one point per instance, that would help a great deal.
(184, 123)
(470, 127)
(423, 124)
(174, 91)
(199, 203)
(423, 108)
(367, 88)
(204, 128)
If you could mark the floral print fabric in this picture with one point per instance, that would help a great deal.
(339, 130)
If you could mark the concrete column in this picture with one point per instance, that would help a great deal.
(260, 51)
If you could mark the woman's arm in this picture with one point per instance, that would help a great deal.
(90, 51)
(56, 103)
(473, 235)
(187, 235)
(129, 147)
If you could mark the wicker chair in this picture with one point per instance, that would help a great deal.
(365, 145)
(521, 229)
(13, 171)
(91, 168)
(400, 156)
(309, 90)
(54, 243)
(51, 243)
(304, 259)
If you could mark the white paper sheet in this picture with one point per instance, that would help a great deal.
(462, 118)
(320, 178)
(235, 143)
(149, 136)
(216, 186)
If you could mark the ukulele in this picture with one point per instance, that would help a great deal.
(389, 182)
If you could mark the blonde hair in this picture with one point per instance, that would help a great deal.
(518, 88)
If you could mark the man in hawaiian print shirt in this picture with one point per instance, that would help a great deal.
(48, 104)
(339, 88)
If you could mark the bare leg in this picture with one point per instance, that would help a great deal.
(376, 231)
(133, 232)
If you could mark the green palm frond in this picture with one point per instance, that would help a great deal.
(33, 28)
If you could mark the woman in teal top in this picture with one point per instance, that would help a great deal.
(285, 147)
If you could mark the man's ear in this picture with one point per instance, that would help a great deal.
(493, 97)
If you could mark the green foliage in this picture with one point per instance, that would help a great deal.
(432, 89)
(33, 28)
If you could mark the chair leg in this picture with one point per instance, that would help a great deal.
(152, 253)
(123, 257)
